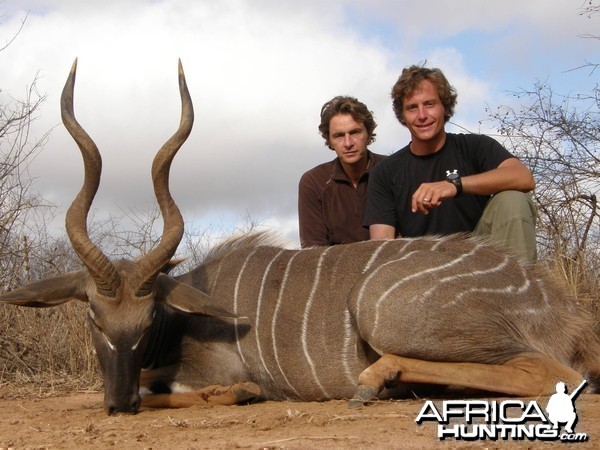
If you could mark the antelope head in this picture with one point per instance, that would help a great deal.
(122, 294)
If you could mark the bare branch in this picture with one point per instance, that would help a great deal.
(12, 39)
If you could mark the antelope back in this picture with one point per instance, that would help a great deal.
(315, 314)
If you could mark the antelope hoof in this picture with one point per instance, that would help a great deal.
(364, 394)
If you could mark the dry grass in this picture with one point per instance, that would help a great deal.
(580, 282)
(46, 350)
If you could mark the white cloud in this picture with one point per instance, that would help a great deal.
(258, 72)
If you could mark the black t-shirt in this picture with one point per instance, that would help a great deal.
(395, 180)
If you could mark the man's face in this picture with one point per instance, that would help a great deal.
(423, 113)
(348, 138)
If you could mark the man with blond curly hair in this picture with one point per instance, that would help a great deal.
(443, 183)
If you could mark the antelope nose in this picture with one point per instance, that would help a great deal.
(127, 407)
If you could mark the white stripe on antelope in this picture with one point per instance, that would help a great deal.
(352, 321)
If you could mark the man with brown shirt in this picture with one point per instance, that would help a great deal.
(332, 195)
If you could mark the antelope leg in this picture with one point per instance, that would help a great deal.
(210, 395)
(526, 375)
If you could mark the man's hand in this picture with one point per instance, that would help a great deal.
(431, 195)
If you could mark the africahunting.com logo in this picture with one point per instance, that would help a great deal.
(513, 419)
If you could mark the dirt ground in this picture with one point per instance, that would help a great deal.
(77, 420)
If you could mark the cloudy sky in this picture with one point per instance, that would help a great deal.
(258, 72)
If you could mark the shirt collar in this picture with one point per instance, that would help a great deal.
(338, 173)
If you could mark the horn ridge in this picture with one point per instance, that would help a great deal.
(101, 269)
(173, 227)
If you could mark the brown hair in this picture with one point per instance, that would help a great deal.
(411, 79)
(346, 105)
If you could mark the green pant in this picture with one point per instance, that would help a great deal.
(509, 219)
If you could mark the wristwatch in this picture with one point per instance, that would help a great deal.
(454, 178)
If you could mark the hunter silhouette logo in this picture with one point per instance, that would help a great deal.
(561, 406)
(512, 419)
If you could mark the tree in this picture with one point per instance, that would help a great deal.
(29, 252)
(18, 201)
(558, 137)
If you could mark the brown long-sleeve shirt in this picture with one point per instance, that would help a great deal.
(330, 208)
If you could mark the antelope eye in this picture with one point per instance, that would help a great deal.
(144, 333)
(98, 328)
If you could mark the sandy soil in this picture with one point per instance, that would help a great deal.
(77, 420)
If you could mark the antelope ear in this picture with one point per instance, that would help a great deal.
(51, 292)
(187, 299)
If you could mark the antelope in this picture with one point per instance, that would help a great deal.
(358, 321)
